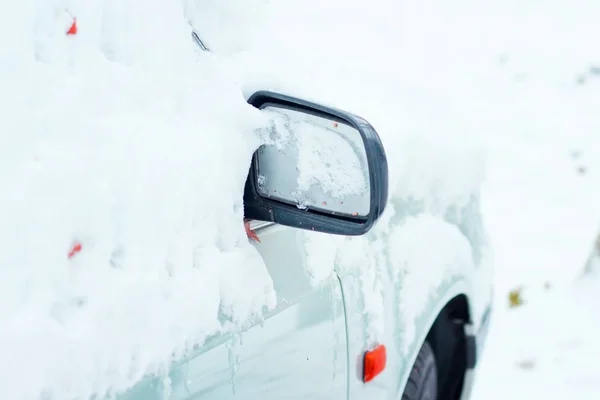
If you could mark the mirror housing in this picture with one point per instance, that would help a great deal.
(259, 205)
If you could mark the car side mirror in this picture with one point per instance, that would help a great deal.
(322, 169)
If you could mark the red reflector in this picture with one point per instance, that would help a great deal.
(374, 363)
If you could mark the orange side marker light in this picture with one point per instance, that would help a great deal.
(374, 363)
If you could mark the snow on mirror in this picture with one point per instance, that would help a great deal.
(315, 163)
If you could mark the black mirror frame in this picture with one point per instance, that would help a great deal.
(265, 209)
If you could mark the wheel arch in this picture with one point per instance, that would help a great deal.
(456, 299)
(450, 345)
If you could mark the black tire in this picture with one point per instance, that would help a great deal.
(422, 383)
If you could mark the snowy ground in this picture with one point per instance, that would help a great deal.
(542, 213)
(519, 78)
(542, 206)
(543, 218)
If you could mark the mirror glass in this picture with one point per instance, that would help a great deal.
(314, 163)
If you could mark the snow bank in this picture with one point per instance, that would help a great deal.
(119, 139)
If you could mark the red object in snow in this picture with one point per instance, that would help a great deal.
(74, 250)
(249, 232)
(73, 29)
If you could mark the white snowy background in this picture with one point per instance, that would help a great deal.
(129, 120)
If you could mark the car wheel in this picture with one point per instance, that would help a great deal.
(422, 382)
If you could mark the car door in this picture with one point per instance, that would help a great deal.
(320, 178)
(298, 352)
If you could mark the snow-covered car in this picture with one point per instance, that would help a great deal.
(360, 327)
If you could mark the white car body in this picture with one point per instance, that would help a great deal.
(361, 292)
